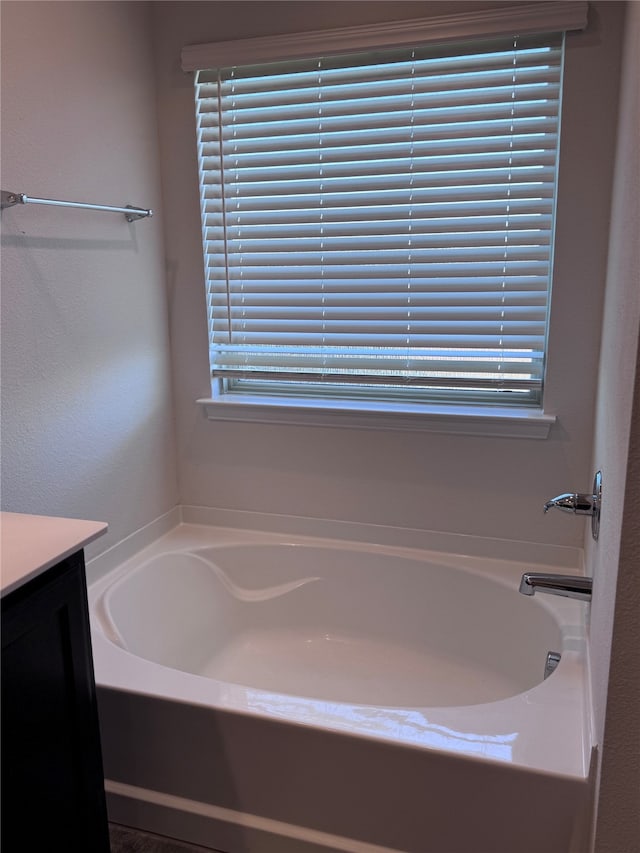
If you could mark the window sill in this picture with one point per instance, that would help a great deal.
(459, 420)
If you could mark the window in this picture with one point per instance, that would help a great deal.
(379, 225)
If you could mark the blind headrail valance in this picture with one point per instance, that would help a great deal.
(521, 18)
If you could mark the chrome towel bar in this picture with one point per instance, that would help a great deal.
(131, 213)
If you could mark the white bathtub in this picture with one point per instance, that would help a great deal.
(263, 692)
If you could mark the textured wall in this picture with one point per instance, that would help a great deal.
(615, 558)
(87, 425)
(485, 486)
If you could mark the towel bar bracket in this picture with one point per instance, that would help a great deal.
(137, 213)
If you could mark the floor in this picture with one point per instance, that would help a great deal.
(126, 840)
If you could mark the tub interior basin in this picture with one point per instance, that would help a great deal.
(338, 624)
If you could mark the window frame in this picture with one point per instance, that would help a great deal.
(483, 419)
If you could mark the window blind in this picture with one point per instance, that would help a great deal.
(383, 220)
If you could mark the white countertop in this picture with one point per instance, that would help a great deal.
(31, 544)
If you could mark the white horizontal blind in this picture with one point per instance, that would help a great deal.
(383, 220)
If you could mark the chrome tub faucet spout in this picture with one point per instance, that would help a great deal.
(569, 586)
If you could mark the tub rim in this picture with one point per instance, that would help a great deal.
(550, 721)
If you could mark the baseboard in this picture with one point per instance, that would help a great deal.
(219, 828)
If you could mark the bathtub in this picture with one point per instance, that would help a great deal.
(261, 691)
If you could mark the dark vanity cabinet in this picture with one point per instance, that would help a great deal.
(52, 780)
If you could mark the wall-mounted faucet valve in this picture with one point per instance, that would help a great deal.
(572, 502)
(581, 504)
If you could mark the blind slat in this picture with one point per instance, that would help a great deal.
(456, 287)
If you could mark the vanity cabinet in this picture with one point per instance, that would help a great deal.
(52, 780)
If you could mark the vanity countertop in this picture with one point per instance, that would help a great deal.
(31, 544)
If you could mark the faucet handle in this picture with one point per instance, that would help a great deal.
(573, 502)
(580, 504)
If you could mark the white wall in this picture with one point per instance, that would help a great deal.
(615, 559)
(484, 486)
(87, 424)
